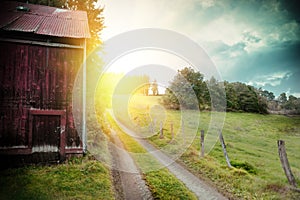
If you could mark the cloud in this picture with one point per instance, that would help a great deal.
(207, 3)
(273, 79)
(249, 41)
(219, 48)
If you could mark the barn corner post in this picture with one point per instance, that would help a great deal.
(62, 149)
(84, 145)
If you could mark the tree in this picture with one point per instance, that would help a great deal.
(269, 95)
(245, 98)
(95, 19)
(291, 103)
(210, 94)
(292, 98)
(52, 3)
(146, 88)
(282, 98)
(130, 84)
(217, 94)
(186, 90)
(154, 88)
(231, 97)
(94, 14)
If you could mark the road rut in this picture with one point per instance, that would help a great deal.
(128, 180)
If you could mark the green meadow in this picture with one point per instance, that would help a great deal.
(251, 141)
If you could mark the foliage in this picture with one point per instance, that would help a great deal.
(95, 19)
(269, 95)
(284, 105)
(210, 94)
(53, 3)
(94, 14)
(183, 89)
(282, 98)
(244, 97)
(129, 84)
(293, 103)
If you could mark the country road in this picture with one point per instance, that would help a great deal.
(201, 189)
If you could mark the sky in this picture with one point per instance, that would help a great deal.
(255, 42)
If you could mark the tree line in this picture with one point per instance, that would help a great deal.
(239, 96)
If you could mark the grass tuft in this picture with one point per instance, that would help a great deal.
(244, 165)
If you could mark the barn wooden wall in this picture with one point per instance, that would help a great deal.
(35, 77)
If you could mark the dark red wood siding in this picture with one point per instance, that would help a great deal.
(46, 130)
(35, 77)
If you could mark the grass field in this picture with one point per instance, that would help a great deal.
(80, 178)
(251, 141)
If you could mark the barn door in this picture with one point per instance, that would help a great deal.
(47, 131)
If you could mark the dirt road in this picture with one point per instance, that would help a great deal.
(199, 187)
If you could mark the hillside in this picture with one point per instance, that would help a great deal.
(251, 141)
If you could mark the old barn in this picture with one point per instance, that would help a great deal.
(42, 49)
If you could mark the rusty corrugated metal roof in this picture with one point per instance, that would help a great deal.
(63, 27)
(44, 20)
(26, 23)
(8, 18)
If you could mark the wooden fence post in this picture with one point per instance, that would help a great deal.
(152, 126)
(285, 163)
(182, 131)
(172, 132)
(202, 143)
(161, 135)
(224, 149)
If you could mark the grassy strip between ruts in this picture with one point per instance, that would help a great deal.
(79, 178)
(161, 183)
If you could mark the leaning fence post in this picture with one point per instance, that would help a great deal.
(224, 149)
(161, 136)
(202, 143)
(285, 163)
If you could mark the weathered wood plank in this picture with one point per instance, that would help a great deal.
(285, 163)
(224, 149)
(202, 143)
